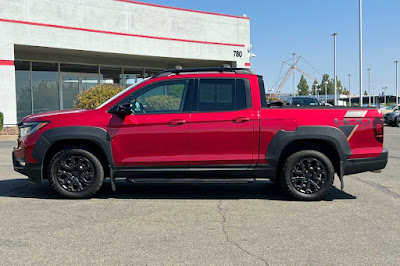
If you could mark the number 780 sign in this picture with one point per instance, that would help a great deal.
(237, 54)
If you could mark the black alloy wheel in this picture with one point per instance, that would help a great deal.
(307, 175)
(76, 173)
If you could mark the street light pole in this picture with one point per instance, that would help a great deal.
(350, 89)
(315, 89)
(373, 96)
(397, 82)
(384, 95)
(369, 86)
(361, 52)
(334, 65)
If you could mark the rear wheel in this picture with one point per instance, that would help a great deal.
(397, 122)
(307, 175)
(76, 173)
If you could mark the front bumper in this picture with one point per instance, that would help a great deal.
(386, 119)
(356, 166)
(33, 171)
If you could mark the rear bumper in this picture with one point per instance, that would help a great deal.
(356, 166)
(33, 170)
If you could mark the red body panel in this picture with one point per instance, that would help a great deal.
(150, 140)
(219, 138)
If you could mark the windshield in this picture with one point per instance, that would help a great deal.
(305, 101)
(122, 92)
(391, 107)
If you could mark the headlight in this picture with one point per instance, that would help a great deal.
(26, 129)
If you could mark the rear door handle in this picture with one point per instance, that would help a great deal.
(241, 119)
(177, 122)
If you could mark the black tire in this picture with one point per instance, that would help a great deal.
(310, 182)
(397, 122)
(76, 173)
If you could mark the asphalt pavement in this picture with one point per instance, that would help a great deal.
(251, 224)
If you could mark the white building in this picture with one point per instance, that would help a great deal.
(50, 50)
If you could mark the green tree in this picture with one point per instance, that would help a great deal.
(331, 85)
(303, 87)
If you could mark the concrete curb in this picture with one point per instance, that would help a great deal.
(8, 137)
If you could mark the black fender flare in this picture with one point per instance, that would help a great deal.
(325, 133)
(97, 135)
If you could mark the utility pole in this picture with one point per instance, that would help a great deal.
(294, 74)
(326, 91)
(334, 65)
(361, 52)
(369, 86)
(397, 81)
(350, 89)
(384, 94)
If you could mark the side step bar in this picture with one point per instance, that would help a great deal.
(192, 180)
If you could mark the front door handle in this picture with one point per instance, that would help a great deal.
(241, 119)
(177, 122)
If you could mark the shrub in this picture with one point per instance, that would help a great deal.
(1, 120)
(163, 102)
(96, 96)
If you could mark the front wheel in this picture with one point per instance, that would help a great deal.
(397, 122)
(307, 175)
(76, 173)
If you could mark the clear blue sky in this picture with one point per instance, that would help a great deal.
(281, 27)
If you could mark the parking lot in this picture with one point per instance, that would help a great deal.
(170, 224)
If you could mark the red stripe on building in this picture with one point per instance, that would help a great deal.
(180, 9)
(6, 62)
(116, 33)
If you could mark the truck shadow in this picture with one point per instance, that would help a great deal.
(265, 190)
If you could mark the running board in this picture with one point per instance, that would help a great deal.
(192, 180)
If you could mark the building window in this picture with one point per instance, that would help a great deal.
(111, 75)
(132, 75)
(45, 87)
(74, 68)
(23, 86)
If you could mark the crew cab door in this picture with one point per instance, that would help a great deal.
(221, 129)
(155, 135)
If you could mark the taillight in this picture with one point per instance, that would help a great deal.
(378, 128)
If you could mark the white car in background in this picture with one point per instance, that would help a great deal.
(390, 109)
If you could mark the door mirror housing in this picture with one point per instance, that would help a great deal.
(124, 109)
(121, 110)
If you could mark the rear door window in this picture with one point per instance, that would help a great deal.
(214, 95)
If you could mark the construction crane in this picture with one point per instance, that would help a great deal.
(289, 72)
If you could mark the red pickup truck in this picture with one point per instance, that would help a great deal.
(200, 125)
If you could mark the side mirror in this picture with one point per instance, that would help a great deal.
(124, 109)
